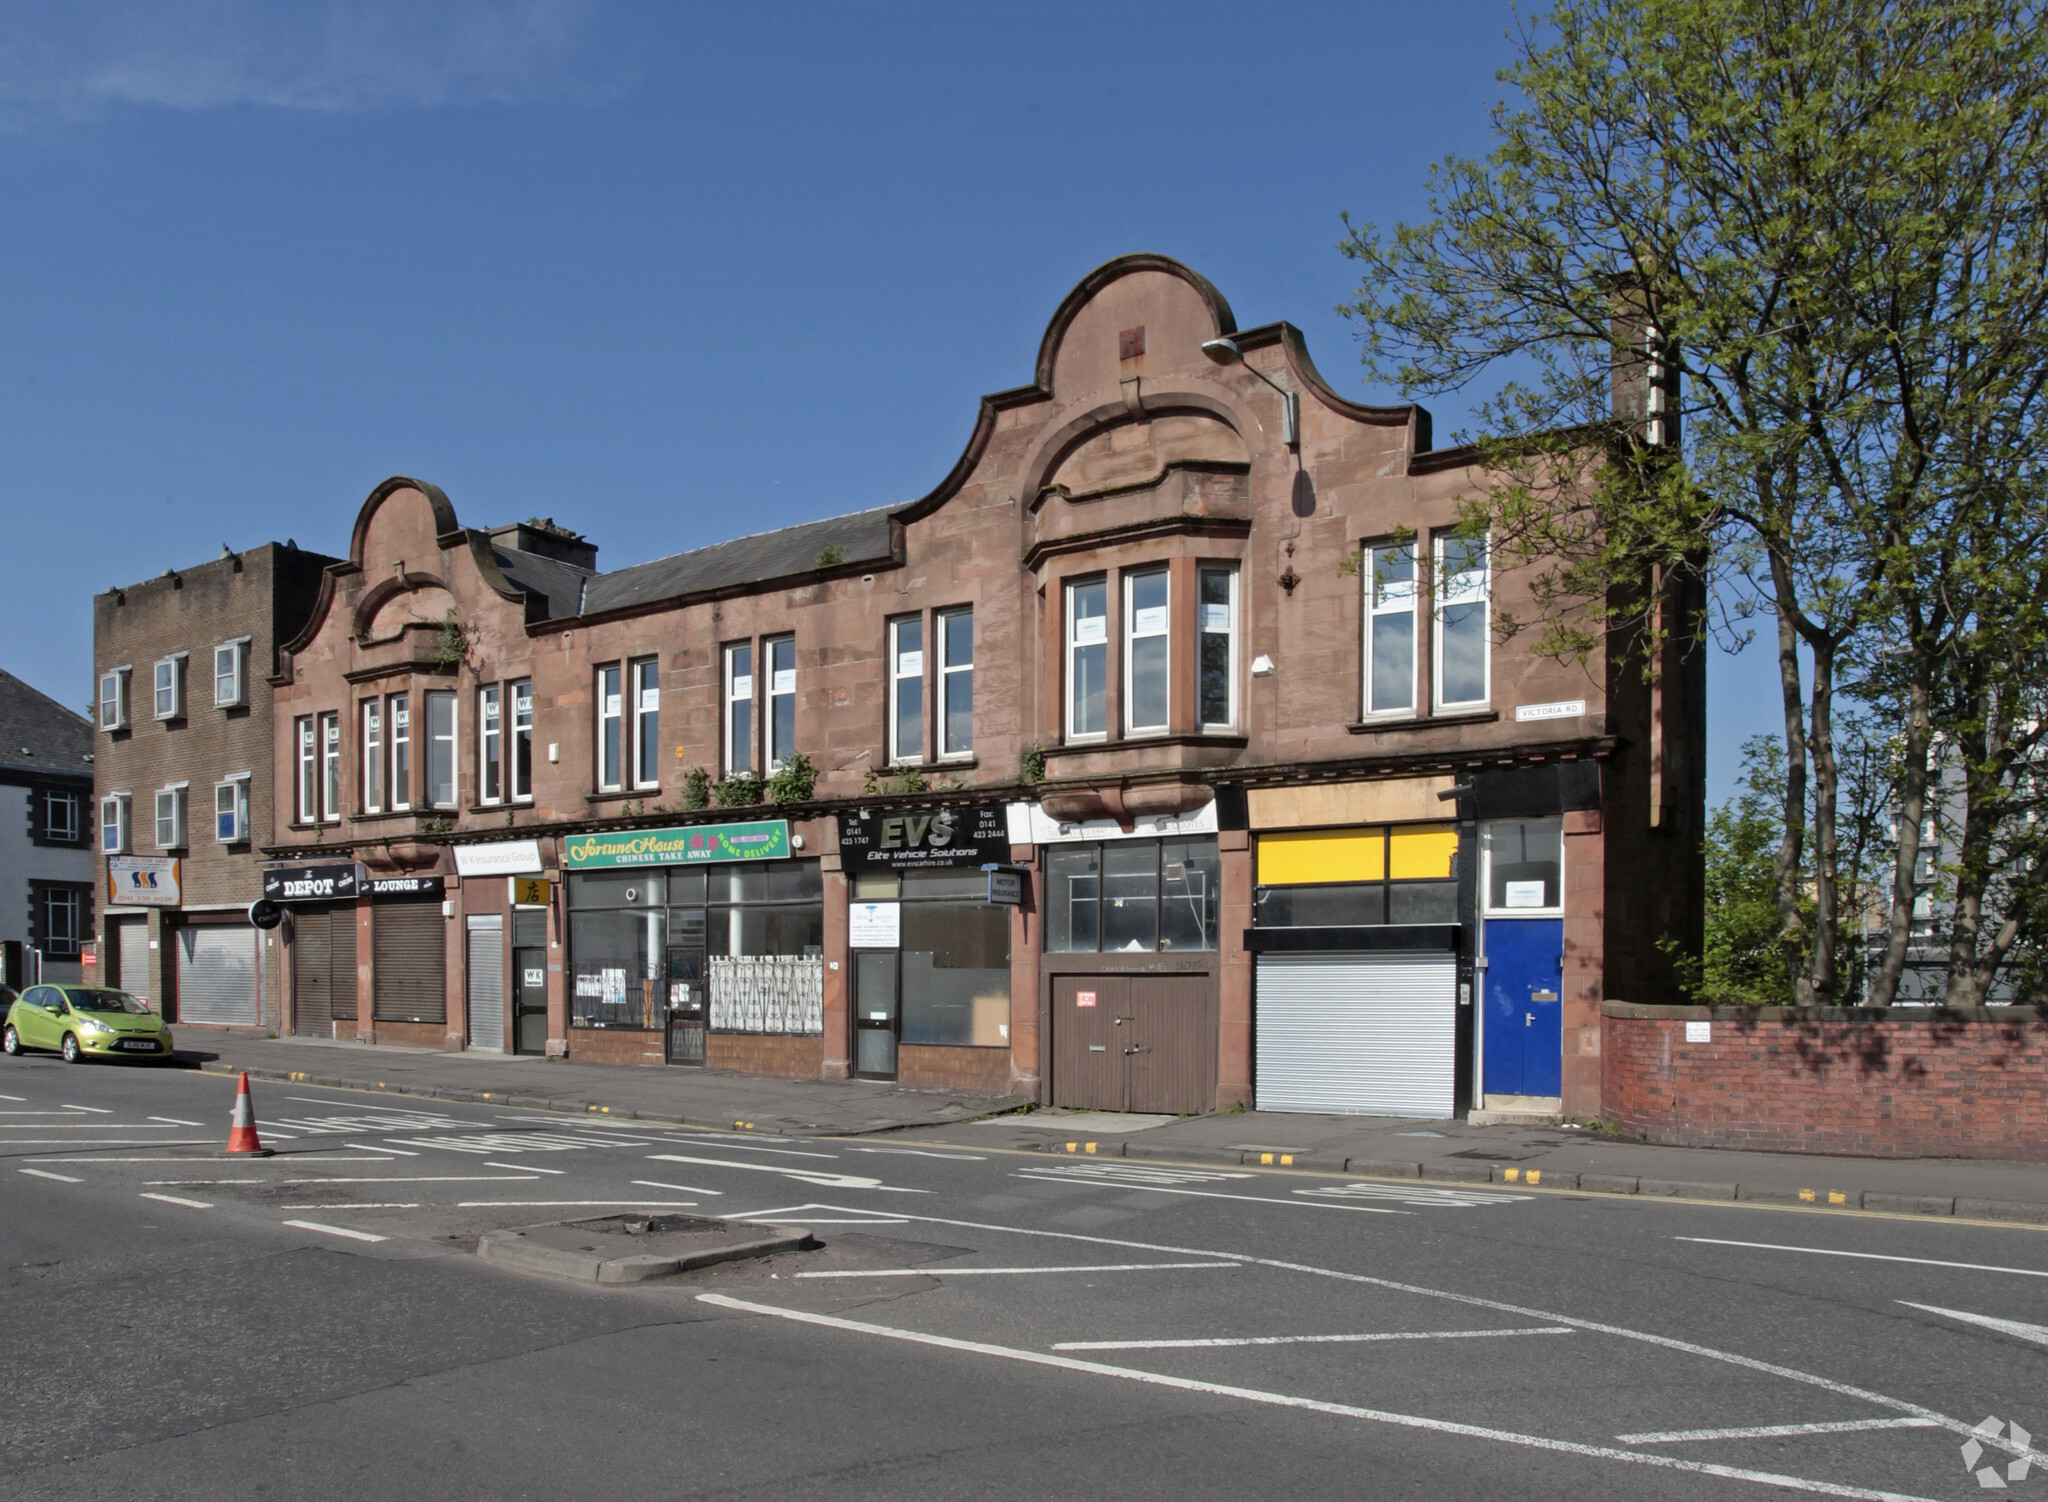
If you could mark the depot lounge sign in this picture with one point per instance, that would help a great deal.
(701, 844)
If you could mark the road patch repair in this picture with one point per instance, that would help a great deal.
(616, 1249)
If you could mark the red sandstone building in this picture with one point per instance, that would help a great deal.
(1185, 638)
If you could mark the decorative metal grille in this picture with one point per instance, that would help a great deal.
(767, 994)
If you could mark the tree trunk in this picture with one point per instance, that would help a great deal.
(1884, 986)
(1785, 865)
(1826, 785)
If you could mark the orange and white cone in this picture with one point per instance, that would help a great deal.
(242, 1138)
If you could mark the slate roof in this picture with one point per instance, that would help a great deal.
(862, 537)
(559, 583)
(37, 734)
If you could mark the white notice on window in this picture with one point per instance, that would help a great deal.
(909, 664)
(785, 681)
(874, 925)
(743, 685)
(614, 987)
(1215, 617)
(611, 706)
(650, 698)
(1524, 894)
(1090, 629)
(1150, 621)
(589, 987)
(533, 977)
(1699, 1032)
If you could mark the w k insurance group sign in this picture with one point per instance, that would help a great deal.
(764, 839)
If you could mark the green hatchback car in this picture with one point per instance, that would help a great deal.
(85, 1022)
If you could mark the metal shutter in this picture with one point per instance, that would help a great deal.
(132, 945)
(487, 982)
(1357, 1034)
(217, 976)
(408, 950)
(324, 971)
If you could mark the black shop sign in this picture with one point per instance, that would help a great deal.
(406, 886)
(924, 839)
(337, 881)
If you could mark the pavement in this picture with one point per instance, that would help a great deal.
(1455, 1151)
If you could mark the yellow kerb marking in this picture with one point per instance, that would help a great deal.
(1535, 1175)
(1836, 1197)
(1286, 1159)
(1265, 1157)
(1512, 1174)
(1088, 1147)
(1807, 1195)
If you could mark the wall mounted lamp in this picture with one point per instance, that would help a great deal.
(1226, 352)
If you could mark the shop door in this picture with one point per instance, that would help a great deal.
(324, 972)
(1134, 1043)
(1524, 1048)
(688, 1016)
(408, 947)
(875, 1013)
(1088, 1047)
(131, 949)
(529, 980)
(487, 982)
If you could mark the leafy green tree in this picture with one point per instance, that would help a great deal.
(1742, 960)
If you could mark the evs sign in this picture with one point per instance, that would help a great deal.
(926, 838)
(761, 840)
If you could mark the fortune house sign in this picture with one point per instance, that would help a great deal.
(761, 840)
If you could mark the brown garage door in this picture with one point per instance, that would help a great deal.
(323, 971)
(1134, 1043)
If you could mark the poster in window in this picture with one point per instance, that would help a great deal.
(1524, 894)
(874, 925)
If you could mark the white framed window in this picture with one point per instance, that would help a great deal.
(170, 816)
(169, 682)
(330, 767)
(781, 717)
(611, 730)
(400, 706)
(739, 707)
(1390, 598)
(440, 748)
(1088, 660)
(114, 698)
(308, 809)
(1463, 629)
(1147, 651)
(1524, 861)
(231, 673)
(647, 723)
(60, 815)
(231, 810)
(373, 756)
(1216, 640)
(490, 700)
(522, 741)
(906, 690)
(115, 838)
(956, 682)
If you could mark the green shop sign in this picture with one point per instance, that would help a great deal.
(762, 840)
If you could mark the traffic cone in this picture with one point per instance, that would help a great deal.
(242, 1138)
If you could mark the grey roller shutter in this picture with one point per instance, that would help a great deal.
(409, 952)
(1357, 1034)
(487, 982)
(324, 972)
(132, 945)
(341, 936)
(217, 976)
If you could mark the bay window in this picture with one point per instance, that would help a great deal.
(440, 748)
(522, 741)
(1463, 630)
(906, 689)
(956, 682)
(1389, 574)
(401, 752)
(308, 809)
(490, 705)
(647, 724)
(330, 767)
(1216, 589)
(1088, 660)
(373, 757)
(1147, 667)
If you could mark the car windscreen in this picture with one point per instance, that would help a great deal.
(100, 1000)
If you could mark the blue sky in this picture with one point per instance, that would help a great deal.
(666, 273)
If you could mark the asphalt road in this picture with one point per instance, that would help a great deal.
(980, 1322)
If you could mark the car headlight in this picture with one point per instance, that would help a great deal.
(94, 1025)
(166, 1036)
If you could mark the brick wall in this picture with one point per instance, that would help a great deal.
(1859, 1081)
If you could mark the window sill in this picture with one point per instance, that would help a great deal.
(613, 795)
(1423, 722)
(1235, 739)
(383, 816)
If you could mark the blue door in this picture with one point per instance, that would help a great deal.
(1524, 1009)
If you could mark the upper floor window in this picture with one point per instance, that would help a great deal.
(60, 815)
(231, 810)
(170, 686)
(308, 801)
(1147, 662)
(401, 752)
(490, 701)
(781, 717)
(1463, 631)
(739, 708)
(63, 923)
(114, 831)
(373, 756)
(114, 699)
(611, 729)
(647, 724)
(440, 748)
(906, 689)
(1389, 575)
(170, 817)
(330, 767)
(230, 674)
(1087, 659)
(1217, 634)
(956, 682)
(522, 740)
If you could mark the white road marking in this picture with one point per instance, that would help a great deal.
(1313, 1405)
(816, 1177)
(1449, 1199)
(39, 1113)
(172, 1199)
(1301, 1340)
(93, 1147)
(379, 1120)
(1822, 1251)
(911, 1152)
(1499, 1306)
(83, 1126)
(1213, 1194)
(419, 1178)
(412, 1206)
(811, 1220)
(751, 1147)
(188, 1158)
(526, 1167)
(372, 1147)
(62, 1178)
(326, 1230)
(174, 1121)
(1775, 1431)
(993, 1272)
(2038, 1334)
(96, 1110)
(635, 1204)
(678, 1188)
(13, 1097)
(483, 1143)
(1137, 1173)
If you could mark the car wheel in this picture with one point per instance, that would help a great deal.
(10, 1042)
(71, 1051)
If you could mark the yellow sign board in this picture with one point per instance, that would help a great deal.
(532, 891)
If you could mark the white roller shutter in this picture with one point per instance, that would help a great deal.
(487, 982)
(217, 976)
(134, 953)
(1357, 1034)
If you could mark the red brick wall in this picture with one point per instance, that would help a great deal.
(598, 1045)
(766, 1053)
(1903, 1084)
(986, 1069)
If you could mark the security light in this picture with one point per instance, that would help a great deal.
(1226, 352)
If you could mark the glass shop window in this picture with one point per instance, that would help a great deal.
(1131, 896)
(1351, 878)
(1525, 866)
